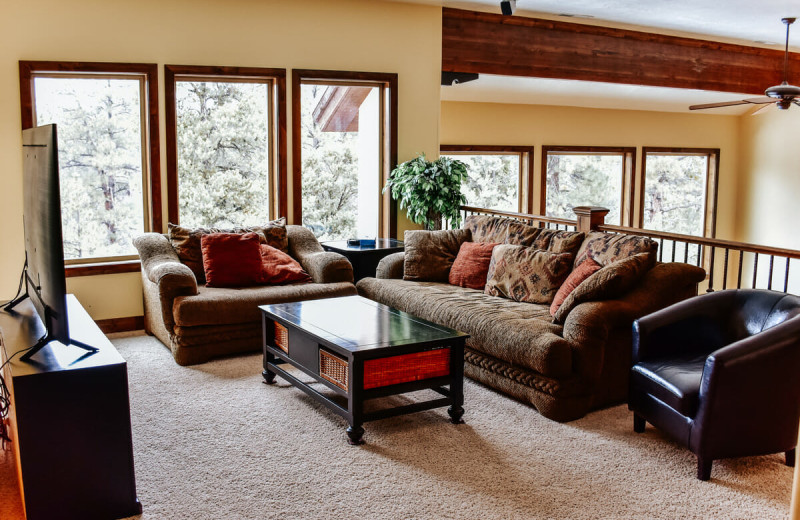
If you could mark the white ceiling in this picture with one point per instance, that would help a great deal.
(747, 22)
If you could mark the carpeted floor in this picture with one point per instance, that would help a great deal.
(212, 442)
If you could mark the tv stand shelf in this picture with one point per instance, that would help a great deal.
(70, 420)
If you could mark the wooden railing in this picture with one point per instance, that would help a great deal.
(728, 264)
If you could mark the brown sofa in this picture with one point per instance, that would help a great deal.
(563, 369)
(199, 323)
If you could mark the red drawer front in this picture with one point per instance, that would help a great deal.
(407, 367)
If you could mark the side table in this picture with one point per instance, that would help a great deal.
(365, 258)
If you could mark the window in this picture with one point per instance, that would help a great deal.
(588, 176)
(344, 146)
(108, 151)
(224, 165)
(499, 176)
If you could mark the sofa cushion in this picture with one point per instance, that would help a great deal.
(231, 259)
(559, 241)
(278, 268)
(225, 305)
(430, 254)
(525, 274)
(674, 381)
(611, 281)
(607, 248)
(518, 333)
(471, 265)
(586, 269)
(500, 230)
(186, 241)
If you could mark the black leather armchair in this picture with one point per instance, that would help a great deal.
(721, 374)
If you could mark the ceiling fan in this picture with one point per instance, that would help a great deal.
(782, 95)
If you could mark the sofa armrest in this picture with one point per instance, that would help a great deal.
(590, 324)
(323, 266)
(162, 267)
(391, 266)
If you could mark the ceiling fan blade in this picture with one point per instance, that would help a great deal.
(760, 100)
(717, 105)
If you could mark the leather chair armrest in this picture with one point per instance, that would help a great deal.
(693, 325)
(391, 266)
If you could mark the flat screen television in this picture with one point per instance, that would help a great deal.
(43, 276)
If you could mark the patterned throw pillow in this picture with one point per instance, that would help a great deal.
(500, 230)
(586, 269)
(607, 248)
(559, 241)
(430, 254)
(525, 274)
(471, 265)
(231, 259)
(186, 241)
(609, 282)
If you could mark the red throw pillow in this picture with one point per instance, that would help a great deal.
(231, 259)
(278, 268)
(471, 265)
(586, 269)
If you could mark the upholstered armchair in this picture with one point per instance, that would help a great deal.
(721, 374)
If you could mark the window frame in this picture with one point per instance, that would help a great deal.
(387, 82)
(628, 192)
(526, 157)
(151, 176)
(712, 183)
(277, 79)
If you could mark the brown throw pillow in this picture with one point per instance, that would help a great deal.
(607, 248)
(500, 230)
(586, 269)
(559, 241)
(609, 282)
(186, 241)
(525, 274)
(471, 265)
(430, 254)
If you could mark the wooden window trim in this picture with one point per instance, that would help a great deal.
(173, 73)
(388, 82)
(712, 182)
(627, 196)
(525, 196)
(27, 70)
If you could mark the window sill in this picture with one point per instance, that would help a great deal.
(125, 266)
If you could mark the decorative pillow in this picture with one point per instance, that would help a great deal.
(500, 230)
(430, 254)
(279, 268)
(521, 234)
(231, 259)
(586, 269)
(186, 241)
(471, 265)
(609, 282)
(607, 248)
(525, 274)
(557, 241)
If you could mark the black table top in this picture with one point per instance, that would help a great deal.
(380, 243)
(355, 323)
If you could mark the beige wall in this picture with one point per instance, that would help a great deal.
(359, 35)
(539, 125)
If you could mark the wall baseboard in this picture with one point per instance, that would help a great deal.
(126, 324)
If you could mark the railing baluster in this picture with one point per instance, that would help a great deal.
(661, 250)
(771, 264)
(686, 252)
(711, 272)
(755, 271)
(786, 277)
(699, 255)
(741, 264)
(725, 271)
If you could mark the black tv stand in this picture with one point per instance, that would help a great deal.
(47, 339)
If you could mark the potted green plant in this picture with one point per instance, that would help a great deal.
(430, 191)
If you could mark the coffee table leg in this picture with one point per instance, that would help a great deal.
(354, 434)
(456, 410)
(269, 377)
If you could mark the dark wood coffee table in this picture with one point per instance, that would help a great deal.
(362, 350)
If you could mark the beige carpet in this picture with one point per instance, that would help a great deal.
(212, 442)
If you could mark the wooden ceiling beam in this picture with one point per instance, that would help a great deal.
(517, 46)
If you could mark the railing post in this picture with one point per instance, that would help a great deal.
(590, 217)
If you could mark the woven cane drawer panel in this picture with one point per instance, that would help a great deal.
(407, 367)
(333, 368)
(281, 337)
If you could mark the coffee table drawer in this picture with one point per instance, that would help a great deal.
(394, 370)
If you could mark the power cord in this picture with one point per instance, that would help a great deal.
(5, 401)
